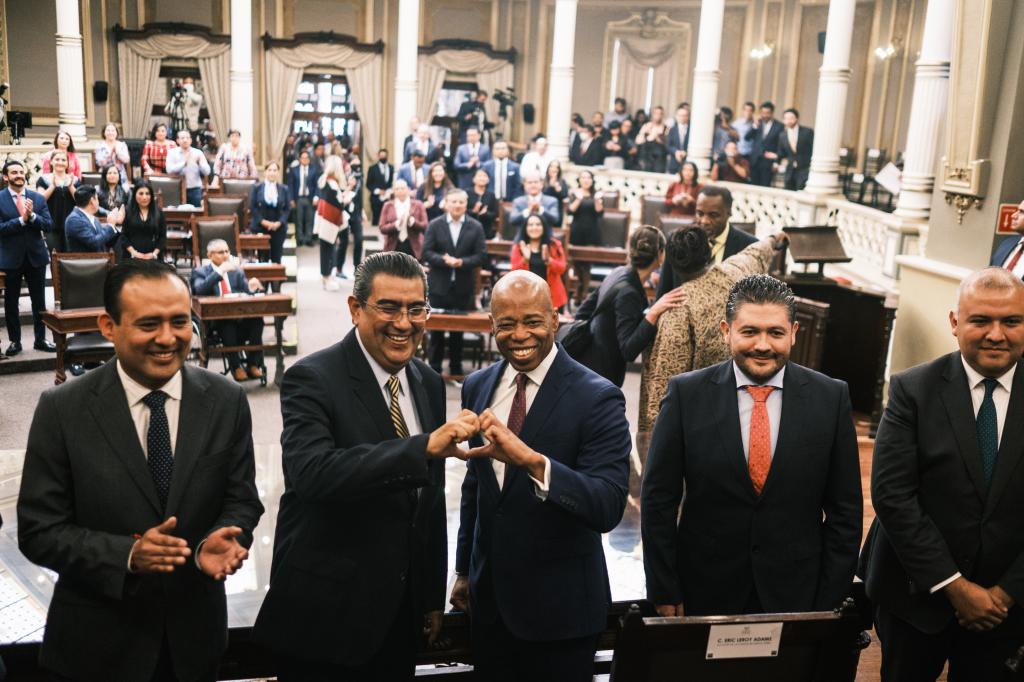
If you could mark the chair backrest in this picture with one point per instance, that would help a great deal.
(810, 339)
(749, 228)
(505, 228)
(651, 206)
(613, 226)
(94, 179)
(610, 198)
(170, 187)
(237, 187)
(670, 223)
(78, 278)
(874, 159)
(206, 229)
(225, 206)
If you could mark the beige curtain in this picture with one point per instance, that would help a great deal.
(365, 81)
(429, 81)
(138, 76)
(490, 74)
(216, 75)
(498, 79)
(636, 56)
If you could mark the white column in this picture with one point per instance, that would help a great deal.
(560, 84)
(927, 112)
(70, 70)
(241, 70)
(406, 57)
(833, 85)
(705, 84)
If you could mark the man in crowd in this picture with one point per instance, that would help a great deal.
(414, 171)
(454, 247)
(597, 122)
(504, 172)
(190, 163)
(764, 151)
(723, 133)
(534, 201)
(423, 144)
(538, 158)
(360, 554)
(1008, 253)
(469, 157)
(588, 148)
(378, 181)
(679, 140)
(138, 489)
(414, 125)
(302, 187)
(83, 231)
(472, 114)
(185, 102)
(223, 276)
(23, 254)
(766, 452)
(619, 112)
(943, 559)
(796, 143)
(537, 496)
(743, 125)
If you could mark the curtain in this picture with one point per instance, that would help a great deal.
(138, 76)
(490, 74)
(216, 74)
(498, 79)
(365, 81)
(429, 81)
(635, 58)
(282, 88)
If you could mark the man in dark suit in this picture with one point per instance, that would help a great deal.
(379, 179)
(534, 201)
(360, 555)
(714, 207)
(944, 559)
(454, 247)
(472, 114)
(223, 276)
(765, 151)
(302, 188)
(1009, 252)
(588, 147)
(23, 254)
(469, 157)
(414, 171)
(422, 143)
(767, 453)
(796, 143)
(504, 172)
(537, 497)
(144, 442)
(83, 231)
(679, 140)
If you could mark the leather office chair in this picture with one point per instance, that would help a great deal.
(78, 283)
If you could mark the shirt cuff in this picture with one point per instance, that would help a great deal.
(541, 488)
(195, 557)
(131, 553)
(944, 583)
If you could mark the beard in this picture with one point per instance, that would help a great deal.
(759, 372)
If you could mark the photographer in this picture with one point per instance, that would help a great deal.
(472, 114)
(730, 166)
(723, 132)
(184, 105)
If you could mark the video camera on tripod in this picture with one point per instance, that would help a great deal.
(505, 98)
(13, 121)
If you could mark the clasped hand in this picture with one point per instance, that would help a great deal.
(502, 444)
(158, 551)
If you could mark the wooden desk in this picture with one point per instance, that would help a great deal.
(178, 243)
(180, 218)
(265, 272)
(209, 308)
(501, 248)
(605, 255)
(254, 243)
(64, 322)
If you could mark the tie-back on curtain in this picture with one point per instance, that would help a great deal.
(139, 64)
(490, 73)
(284, 68)
(635, 58)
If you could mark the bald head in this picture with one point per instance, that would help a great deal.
(993, 280)
(988, 321)
(521, 285)
(523, 320)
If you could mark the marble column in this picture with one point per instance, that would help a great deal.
(70, 70)
(833, 86)
(927, 112)
(406, 57)
(705, 84)
(560, 85)
(241, 69)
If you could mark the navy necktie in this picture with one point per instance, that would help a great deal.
(988, 431)
(158, 445)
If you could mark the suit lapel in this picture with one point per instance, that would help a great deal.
(1010, 445)
(794, 404)
(364, 385)
(194, 419)
(956, 397)
(727, 414)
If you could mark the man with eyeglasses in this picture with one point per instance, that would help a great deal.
(360, 553)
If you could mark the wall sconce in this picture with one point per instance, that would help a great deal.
(884, 52)
(763, 51)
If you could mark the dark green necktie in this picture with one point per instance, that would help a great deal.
(988, 431)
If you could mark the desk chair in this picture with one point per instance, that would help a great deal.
(610, 198)
(613, 226)
(207, 228)
(224, 205)
(94, 179)
(78, 283)
(170, 188)
(237, 187)
(670, 223)
(504, 228)
(651, 206)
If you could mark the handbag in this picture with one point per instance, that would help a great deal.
(577, 337)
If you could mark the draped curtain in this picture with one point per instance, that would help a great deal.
(139, 63)
(491, 74)
(284, 68)
(636, 57)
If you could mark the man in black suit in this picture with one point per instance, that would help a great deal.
(714, 206)
(23, 254)
(588, 148)
(360, 554)
(379, 180)
(454, 247)
(796, 143)
(765, 151)
(767, 453)
(144, 442)
(944, 559)
(679, 140)
(472, 114)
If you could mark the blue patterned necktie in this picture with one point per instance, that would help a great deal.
(158, 445)
(988, 431)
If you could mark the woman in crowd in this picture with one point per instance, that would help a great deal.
(144, 231)
(482, 203)
(336, 192)
(112, 194)
(620, 327)
(62, 142)
(617, 147)
(629, 134)
(585, 207)
(640, 119)
(234, 160)
(540, 253)
(652, 142)
(58, 188)
(154, 154)
(555, 186)
(403, 220)
(268, 208)
(681, 197)
(433, 190)
(113, 151)
(730, 166)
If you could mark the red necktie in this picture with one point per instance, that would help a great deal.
(517, 415)
(225, 288)
(759, 457)
(19, 200)
(1016, 256)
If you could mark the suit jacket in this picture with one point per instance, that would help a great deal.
(935, 514)
(734, 243)
(764, 143)
(22, 245)
(729, 540)
(363, 513)
(521, 211)
(376, 179)
(675, 145)
(405, 172)
(433, 153)
(205, 281)
(260, 210)
(84, 232)
(513, 183)
(312, 175)
(471, 248)
(389, 228)
(466, 172)
(1004, 250)
(86, 489)
(802, 154)
(540, 564)
(592, 156)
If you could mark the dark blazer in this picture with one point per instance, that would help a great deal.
(799, 158)
(376, 179)
(259, 209)
(550, 210)
(466, 172)
(593, 156)
(734, 243)
(728, 540)
(143, 236)
(406, 172)
(363, 512)
(86, 489)
(764, 143)
(513, 183)
(22, 245)
(433, 153)
(935, 514)
(471, 248)
(85, 233)
(389, 228)
(205, 281)
(312, 175)
(675, 145)
(1004, 250)
(540, 564)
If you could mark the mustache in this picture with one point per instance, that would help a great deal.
(760, 356)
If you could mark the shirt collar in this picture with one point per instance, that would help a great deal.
(536, 374)
(718, 242)
(136, 391)
(380, 374)
(452, 221)
(13, 193)
(743, 380)
(974, 377)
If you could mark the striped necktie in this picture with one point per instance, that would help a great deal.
(401, 430)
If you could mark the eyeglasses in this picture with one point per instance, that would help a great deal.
(394, 313)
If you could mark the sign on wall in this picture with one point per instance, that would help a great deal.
(1004, 225)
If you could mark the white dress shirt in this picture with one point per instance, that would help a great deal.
(1018, 269)
(501, 406)
(793, 135)
(135, 392)
(746, 405)
(500, 171)
(403, 210)
(270, 193)
(412, 418)
(303, 180)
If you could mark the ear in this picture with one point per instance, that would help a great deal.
(792, 337)
(952, 322)
(724, 326)
(106, 325)
(354, 309)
